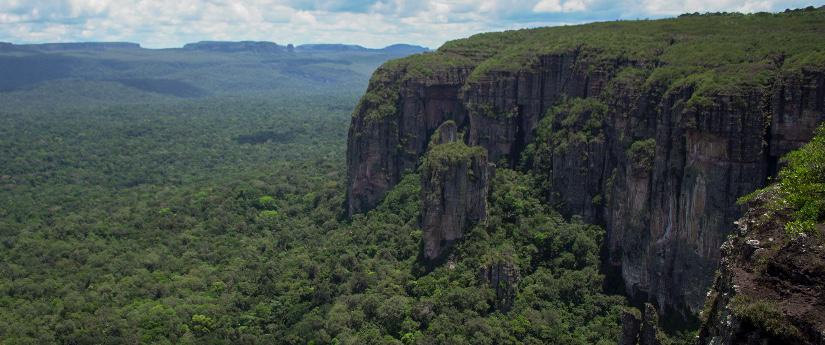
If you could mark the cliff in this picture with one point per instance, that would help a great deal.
(454, 184)
(771, 283)
(652, 128)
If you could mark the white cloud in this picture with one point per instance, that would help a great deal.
(562, 6)
(677, 7)
(374, 23)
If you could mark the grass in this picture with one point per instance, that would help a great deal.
(800, 189)
(763, 315)
(802, 183)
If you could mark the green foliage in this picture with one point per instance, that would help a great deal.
(198, 238)
(641, 153)
(802, 183)
(570, 124)
(800, 189)
(420, 66)
(763, 315)
(380, 100)
(152, 223)
(267, 202)
(442, 156)
(202, 324)
(708, 56)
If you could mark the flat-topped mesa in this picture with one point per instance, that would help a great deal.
(454, 184)
(637, 126)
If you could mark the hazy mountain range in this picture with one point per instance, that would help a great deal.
(123, 72)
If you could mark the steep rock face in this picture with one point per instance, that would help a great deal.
(628, 142)
(505, 107)
(454, 184)
(640, 328)
(502, 276)
(631, 323)
(771, 286)
(383, 143)
(650, 327)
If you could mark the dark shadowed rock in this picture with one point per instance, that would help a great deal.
(454, 183)
(650, 326)
(659, 164)
(631, 325)
(771, 285)
(391, 128)
(502, 275)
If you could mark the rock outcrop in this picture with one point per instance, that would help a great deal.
(640, 328)
(655, 150)
(649, 334)
(502, 275)
(391, 127)
(771, 285)
(631, 324)
(454, 184)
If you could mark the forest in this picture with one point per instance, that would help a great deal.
(218, 220)
(201, 209)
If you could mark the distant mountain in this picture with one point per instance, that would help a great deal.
(405, 49)
(232, 47)
(95, 46)
(330, 48)
(129, 72)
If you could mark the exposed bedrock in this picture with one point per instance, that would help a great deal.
(454, 185)
(659, 164)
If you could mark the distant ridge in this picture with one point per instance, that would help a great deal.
(240, 46)
(77, 46)
(405, 48)
(264, 47)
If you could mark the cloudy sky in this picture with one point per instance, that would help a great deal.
(171, 23)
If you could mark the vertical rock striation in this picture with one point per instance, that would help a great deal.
(771, 286)
(631, 324)
(654, 148)
(454, 184)
(502, 275)
(640, 328)
(391, 128)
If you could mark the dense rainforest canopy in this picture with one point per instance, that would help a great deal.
(143, 211)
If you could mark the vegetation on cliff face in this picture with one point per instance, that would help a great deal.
(802, 183)
(772, 268)
(440, 157)
(641, 153)
(800, 190)
(712, 54)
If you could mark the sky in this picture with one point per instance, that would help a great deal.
(172, 23)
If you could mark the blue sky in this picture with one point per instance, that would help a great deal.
(171, 23)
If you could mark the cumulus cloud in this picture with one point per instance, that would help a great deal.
(562, 5)
(375, 23)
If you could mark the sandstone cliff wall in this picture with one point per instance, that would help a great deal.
(657, 157)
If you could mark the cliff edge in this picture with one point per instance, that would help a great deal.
(651, 128)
